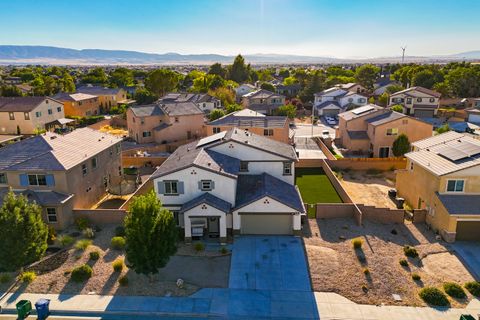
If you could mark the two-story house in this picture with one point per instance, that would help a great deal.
(473, 112)
(443, 177)
(263, 101)
(352, 87)
(418, 102)
(204, 101)
(371, 130)
(274, 127)
(79, 104)
(234, 182)
(29, 115)
(165, 123)
(332, 101)
(61, 172)
(107, 97)
(243, 89)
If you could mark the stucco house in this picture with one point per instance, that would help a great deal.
(61, 172)
(263, 101)
(443, 177)
(332, 101)
(243, 89)
(107, 97)
(234, 182)
(473, 113)
(274, 127)
(28, 115)
(418, 102)
(352, 87)
(371, 130)
(381, 84)
(203, 101)
(79, 104)
(165, 123)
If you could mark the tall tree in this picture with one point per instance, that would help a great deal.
(239, 71)
(366, 75)
(151, 234)
(121, 77)
(217, 69)
(143, 96)
(314, 83)
(96, 76)
(10, 91)
(226, 95)
(267, 86)
(68, 85)
(23, 238)
(162, 81)
(288, 110)
(401, 145)
(216, 114)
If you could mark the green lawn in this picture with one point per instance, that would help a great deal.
(315, 187)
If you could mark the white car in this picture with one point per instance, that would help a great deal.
(331, 121)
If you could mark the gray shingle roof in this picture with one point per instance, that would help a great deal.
(20, 104)
(209, 199)
(181, 109)
(328, 103)
(468, 204)
(419, 89)
(262, 94)
(254, 187)
(42, 198)
(385, 117)
(358, 135)
(233, 120)
(98, 90)
(147, 110)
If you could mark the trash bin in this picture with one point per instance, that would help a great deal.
(466, 317)
(42, 306)
(23, 308)
(400, 202)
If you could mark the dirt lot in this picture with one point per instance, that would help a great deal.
(197, 271)
(369, 188)
(335, 266)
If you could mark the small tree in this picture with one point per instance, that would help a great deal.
(151, 234)
(401, 145)
(288, 110)
(233, 107)
(397, 108)
(23, 236)
(443, 129)
(215, 114)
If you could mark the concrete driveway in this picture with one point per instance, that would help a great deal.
(269, 263)
(469, 253)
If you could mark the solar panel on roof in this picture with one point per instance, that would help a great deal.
(452, 153)
(470, 148)
(362, 110)
(212, 138)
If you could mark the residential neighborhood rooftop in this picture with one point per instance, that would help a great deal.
(20, 104)
(411, 91)
(249, 118)
(65, 96)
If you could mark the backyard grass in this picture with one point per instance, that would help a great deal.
(315, 187)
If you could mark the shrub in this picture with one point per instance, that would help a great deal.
(4, 278)
(94, 255)
(117, 265)
(52, 235)
(473, 287)
(454, 290)
(88, 233)
(28, 276)
(223, 250)
(83, 244)
(118, 243)
(434, 296)
(366, 271)
(410, 252)
(120, 231)
(65, 240)
(357, 243)
(123, 281)
(199, 246)
(403, 263)
(82, 273)
(82, 223)
(416, 277)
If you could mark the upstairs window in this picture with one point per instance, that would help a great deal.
(3, 178)
(171, 187)
(432, 99)
(38, 114)
(409, 100)
(37, 180)
(50, 111)
(146, 134)
(392, 131)
(216, 130)
(94, 163)
(243, 166)
(26, 115)
(177, 119)
(455, 185)
(11, 115)
(287, 168)
(84, 169)
(268, 132)
(59, 109)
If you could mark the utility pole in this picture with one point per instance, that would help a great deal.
(403, 53)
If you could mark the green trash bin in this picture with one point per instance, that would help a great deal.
(24, 307)
(466, 317)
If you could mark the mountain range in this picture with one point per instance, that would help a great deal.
(13, 54)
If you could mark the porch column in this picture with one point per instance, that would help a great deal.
(187, 228)
(223, 228)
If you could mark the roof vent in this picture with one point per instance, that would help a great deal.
(209, 164)
(246, 141)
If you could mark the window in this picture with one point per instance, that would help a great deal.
(171, 187)
(268, 132)
(419, 99)
(146, 134)
(411, 166)
(117, 147)
(455, 185)
(206, 185)
(432, 100)
(176, 119)
(287, 168)
(37, 180)
(11, 115)
(409, 100)
(26, 115)
(51, 215)
(94, 163)
(50, 111)
(59, 109)
(38, 114)
(362, 100)
(405, 121)
(3, 178)
(392, 131)
(142, 121)
(84, 169)
(133, 119)
(216, 130)
(243, 166)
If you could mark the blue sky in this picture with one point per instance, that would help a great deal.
(340, 28)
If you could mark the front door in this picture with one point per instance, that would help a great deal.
(213, 227)
(384, 152)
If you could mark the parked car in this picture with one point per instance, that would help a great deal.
(330, 121)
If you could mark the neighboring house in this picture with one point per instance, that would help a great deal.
(28, 115)
(61, 172)
(203, 101)
(290, 90)
(417, 101)
(382, 84)
(473, 113)
(332, 101)
(371, 130)
(243, 89)
(12, 80)
(352, 87)
(263, 101)
(79, 104)
(443, 177)
(107, 97)
(165, 123)
(274, 127)
(26, 89)
(234, 182)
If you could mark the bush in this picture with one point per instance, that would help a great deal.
(416, 277)
(94, 255)
(82, 273)
(4, 278)
(28, 276)
(454, 290)
(120, 231)
(357, 243)
(83, 244)
(403, 263)
(88, 233)
(473, 287)
(410, 252)
(117, 265)
(65, 240)
(118, 243)
(199, 246)
(82, 223)
(123, 281)
(52, 235)
(434, 297)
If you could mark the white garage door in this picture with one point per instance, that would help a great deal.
(266, 223)
(330, 112)
(423, 113)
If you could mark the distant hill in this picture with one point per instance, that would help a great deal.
(10, 54)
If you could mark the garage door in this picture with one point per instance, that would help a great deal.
(423, 113)
(468, 231)
(330, 112)
(266, 223)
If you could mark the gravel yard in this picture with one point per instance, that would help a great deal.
(335, 266)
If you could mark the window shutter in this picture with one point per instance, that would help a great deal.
(180, 187)
(161, 187)
(50, 180)
(200, 185)
(24, 180)
(212, 183)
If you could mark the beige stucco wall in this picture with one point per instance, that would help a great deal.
(84, 108)
(279, 134)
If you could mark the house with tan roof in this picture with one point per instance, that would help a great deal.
(418, 102)
(443, 177)
(79, 104)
